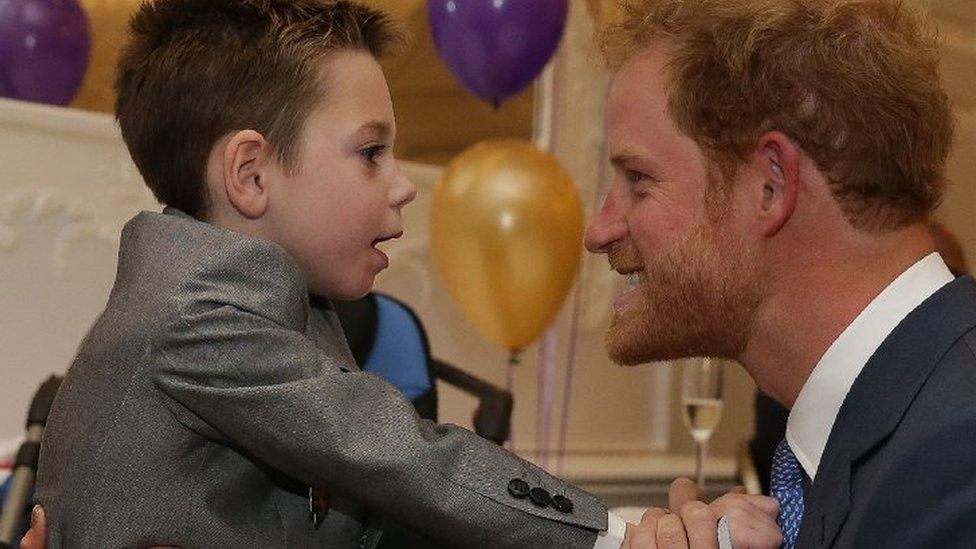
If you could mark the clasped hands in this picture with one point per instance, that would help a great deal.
(689, 523)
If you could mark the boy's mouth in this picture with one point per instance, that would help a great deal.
(386, 238)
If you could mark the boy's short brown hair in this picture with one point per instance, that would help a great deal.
(854, 82)
(194, 70)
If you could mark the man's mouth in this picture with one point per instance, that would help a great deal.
(631, 292)
(635, 279)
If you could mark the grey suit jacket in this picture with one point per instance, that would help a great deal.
(209, 396)
(899, 468)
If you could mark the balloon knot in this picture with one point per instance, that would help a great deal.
(515, 358)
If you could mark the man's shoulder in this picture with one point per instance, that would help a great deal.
(941, 410)
(906, 466)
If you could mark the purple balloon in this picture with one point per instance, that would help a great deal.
(496, 47)
(44, 49)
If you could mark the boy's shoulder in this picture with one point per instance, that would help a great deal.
(174, 234)
(172, 254)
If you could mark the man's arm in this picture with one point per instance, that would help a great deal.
(34, 538)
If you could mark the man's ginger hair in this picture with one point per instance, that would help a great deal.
(855, 83)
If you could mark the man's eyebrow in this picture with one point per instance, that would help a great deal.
(625, 157)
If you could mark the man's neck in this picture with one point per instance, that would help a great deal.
(814, 297)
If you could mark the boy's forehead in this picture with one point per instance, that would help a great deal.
(354, 89)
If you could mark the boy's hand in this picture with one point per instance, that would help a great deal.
(752, 518)
(695, 528)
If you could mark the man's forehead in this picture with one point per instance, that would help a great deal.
(639, 84)
(647, 62)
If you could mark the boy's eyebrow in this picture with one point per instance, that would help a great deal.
(375, 126)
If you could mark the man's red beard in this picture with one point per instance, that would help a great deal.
(699, 299)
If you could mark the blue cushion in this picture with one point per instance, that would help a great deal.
(4, 491)
(398, 354)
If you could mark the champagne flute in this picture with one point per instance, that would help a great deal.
(701, 405)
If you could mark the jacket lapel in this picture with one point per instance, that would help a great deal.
(878, 400)
(829, 502)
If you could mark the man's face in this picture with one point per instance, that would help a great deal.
(346, 193)
(692, 285)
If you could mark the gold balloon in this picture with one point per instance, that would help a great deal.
(506, 236)
(109, 23)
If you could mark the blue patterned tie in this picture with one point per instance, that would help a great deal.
(786, 486)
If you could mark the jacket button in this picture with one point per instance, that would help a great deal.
(562, 504)
(518, 488)
(540, 497)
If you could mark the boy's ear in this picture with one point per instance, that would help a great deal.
(246, 158)
(776, 159)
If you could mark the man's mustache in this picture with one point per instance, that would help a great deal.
(624, 257)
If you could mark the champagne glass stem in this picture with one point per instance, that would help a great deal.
(700, 465)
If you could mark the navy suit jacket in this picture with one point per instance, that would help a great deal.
(899, 468)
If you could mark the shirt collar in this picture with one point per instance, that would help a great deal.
(820, 399)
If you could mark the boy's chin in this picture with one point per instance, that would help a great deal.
(343, 292)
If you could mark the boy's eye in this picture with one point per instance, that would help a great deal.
(370, 153)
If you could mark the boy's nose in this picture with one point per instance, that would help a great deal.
(403, 192)
(605, 229)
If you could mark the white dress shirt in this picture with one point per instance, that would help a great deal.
(613, 536)
(819, 401)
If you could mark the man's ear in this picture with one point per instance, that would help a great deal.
(776, 160)
(246, 159)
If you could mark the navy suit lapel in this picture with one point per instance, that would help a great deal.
(829, 502)
(878, 400)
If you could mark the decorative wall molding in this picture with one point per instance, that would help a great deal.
(56, 271)
(23, 209)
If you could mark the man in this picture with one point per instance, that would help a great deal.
(775, 163)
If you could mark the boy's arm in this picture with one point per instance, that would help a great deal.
(235, 376)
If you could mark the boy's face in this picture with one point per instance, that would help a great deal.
(345, 195)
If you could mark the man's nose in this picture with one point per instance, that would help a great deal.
(606, 228)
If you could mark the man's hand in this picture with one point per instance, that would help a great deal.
(34, 538)
(752, 518)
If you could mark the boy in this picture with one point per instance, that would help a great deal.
(211, 405)
(209, 396)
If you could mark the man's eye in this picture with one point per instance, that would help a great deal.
(370, 153)
(634, 176)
